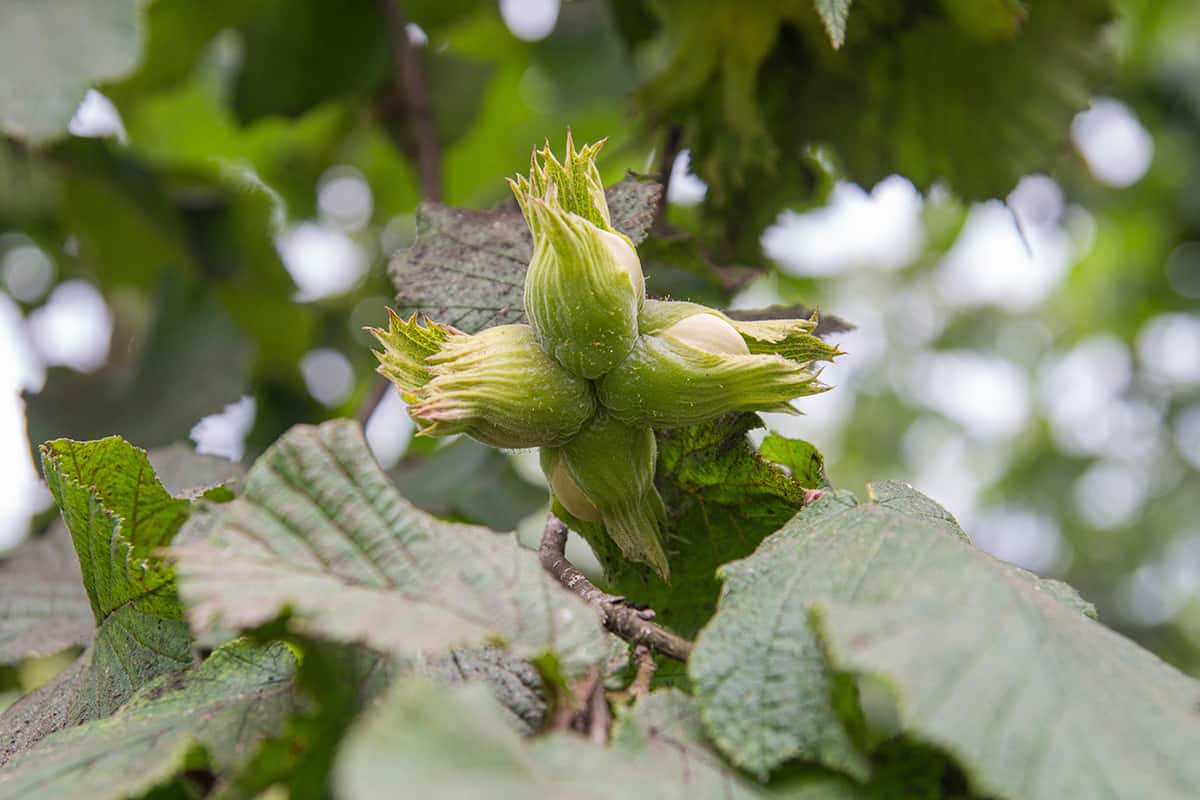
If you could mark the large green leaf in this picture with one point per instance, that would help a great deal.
(1006, 672)
(467, 268)
(413, 743)
(51, 53)
(321, 534)
(210, 716)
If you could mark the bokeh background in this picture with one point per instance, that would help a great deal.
(197, 258)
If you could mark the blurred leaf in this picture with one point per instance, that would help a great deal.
(322, 536)
(211, 715)
(470, 482)
(977, 651)
(43, 608)
(833, 14)
(177, 32)
(413, 742)
(51, 53)
(191, 362)
(467, 268)
(325, 50)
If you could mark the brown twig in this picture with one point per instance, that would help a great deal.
(670, 151)
(640, 686)
(415, 101)
(412, 96)
(631, 624)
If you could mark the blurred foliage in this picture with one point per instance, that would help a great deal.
(233, 114)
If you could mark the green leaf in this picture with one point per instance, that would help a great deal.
(470, 482)
(119, 517)
(977, 652)
(833, 14)
(413, 743)
(212, 715)
(322, 535)
(722, 499)
(467, 268)
(43, 608)
(804, 462)
(52, 53)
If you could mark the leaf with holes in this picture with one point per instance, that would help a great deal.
(320, 535)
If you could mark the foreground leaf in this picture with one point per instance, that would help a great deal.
(119, 516)
(413, 743)
(321, 535)
(1004, 671)
(467, 268)
(212, 715)
(51, 53)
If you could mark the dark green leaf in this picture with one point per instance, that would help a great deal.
(722, 499)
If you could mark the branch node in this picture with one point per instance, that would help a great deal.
(631, 624)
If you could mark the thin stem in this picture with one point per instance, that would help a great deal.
(414, 97)
(631, 624)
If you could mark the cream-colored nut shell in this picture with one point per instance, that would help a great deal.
(709, 333)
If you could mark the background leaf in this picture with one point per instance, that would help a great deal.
(320, 534)
(51, 53)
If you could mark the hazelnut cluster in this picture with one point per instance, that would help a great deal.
(599, 366)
